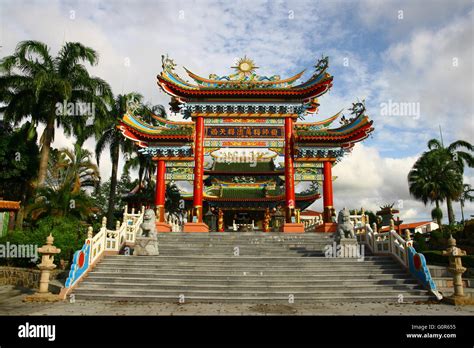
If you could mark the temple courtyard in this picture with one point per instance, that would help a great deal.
(11, 303)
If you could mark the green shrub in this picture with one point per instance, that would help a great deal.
(435, 257)
(419, 242)
(69, 235)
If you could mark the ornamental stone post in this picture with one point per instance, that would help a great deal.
(46, 266)
(455, 267)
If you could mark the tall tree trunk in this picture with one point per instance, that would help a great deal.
(462, 210)
(451, 217)
(115, 152)
(47, 138)
(19, 218)
(438, 220)
(20, 215)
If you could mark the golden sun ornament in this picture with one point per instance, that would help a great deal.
(245, 66)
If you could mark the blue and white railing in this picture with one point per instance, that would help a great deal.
(104, 241)
(391, 243)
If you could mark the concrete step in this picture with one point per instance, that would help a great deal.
(233, 281)
(261, 266)
(231, 248)
(253, 299)
(248, 287)
(245, 235)
(219, 258)
(246, 268)
(244, 260)
(247, 275)
(262, 292)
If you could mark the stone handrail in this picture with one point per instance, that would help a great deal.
(104, 241)
(391, 243)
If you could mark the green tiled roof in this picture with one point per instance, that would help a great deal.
(244, 167)
(242, 192)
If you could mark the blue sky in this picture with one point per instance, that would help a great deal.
(403, 60)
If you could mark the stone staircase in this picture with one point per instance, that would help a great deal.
(248, 267)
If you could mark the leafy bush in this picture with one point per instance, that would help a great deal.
(419, 242)
(435, 257)
(69, 235)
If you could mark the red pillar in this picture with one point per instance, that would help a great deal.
(198, 168)
(160, 193)
(198, 226)
(327, 191)
(290, 202)
(160, 190)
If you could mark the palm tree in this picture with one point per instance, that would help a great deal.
(146, 167)
(61, 202)
(68, 172)
(78, 167)
(466, 195)
(433, 177)
(34, 83)
(460, 158)
(112, 137)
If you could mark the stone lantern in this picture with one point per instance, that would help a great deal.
(46, 266)
(456, 268)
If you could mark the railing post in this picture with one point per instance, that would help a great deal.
(408, 244)
(390, 241)
(374, 229)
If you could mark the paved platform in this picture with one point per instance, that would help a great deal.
(11, 304)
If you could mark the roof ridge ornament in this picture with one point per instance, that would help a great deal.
(321, 65)
(167, 63)
(357, 110)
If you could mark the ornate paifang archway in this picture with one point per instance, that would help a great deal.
(245, 110)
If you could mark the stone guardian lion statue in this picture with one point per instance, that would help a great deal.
(146, 241)
(345, 229)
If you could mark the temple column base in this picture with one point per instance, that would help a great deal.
(327, 227)
(195, 227)
(163, 227)
(293, 228)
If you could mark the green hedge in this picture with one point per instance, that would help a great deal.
(69, 235)
(435, 257)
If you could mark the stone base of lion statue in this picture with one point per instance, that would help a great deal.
(348, 241)
(146, 246)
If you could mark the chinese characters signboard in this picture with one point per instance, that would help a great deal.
(244, 132)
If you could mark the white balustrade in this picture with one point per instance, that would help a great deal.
(114, 240)
(384, 243)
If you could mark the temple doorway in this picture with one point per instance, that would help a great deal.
(243, 220)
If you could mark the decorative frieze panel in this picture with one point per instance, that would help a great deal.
(243, 143)
(180, 164)
(306, 177)
(242, 108)
(244, 121)
(179, 176)
(308, 164)
(167, 151)
(318, 152)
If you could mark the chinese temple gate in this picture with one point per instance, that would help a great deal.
(242, 123)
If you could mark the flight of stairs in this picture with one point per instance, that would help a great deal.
(248, 267)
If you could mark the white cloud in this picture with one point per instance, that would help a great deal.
(420, 69)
